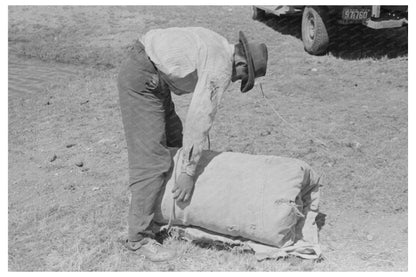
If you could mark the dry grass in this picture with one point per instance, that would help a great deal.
(66, 218)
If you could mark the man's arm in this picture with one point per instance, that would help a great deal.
(201, 113)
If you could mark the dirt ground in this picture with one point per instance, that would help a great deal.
(68, 216)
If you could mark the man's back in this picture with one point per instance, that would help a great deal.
(182, 54)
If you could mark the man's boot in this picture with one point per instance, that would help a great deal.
(151, 250)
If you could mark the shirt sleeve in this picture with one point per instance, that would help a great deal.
(201, 113)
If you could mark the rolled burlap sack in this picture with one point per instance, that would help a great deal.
(267, 199)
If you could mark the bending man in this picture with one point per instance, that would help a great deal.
(179, 60)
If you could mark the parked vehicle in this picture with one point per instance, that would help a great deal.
(317, 19)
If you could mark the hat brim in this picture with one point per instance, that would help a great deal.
(247, 83)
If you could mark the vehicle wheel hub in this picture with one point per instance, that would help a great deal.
(311, 28)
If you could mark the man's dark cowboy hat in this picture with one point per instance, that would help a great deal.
(256, 55)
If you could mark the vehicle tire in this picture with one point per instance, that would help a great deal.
(314, 32)
(258, 13)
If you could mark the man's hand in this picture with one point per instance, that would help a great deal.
(183, 187)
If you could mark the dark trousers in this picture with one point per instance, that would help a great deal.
(151, 125)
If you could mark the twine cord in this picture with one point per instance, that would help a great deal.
(267, 100)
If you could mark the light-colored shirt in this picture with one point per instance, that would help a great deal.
(193, 59)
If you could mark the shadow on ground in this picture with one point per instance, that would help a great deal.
(320, 220)
(349, 42)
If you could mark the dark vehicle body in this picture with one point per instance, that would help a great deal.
(317, 20)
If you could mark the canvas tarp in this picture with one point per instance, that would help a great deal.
(267, 203)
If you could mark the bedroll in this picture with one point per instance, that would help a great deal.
(258, 199)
